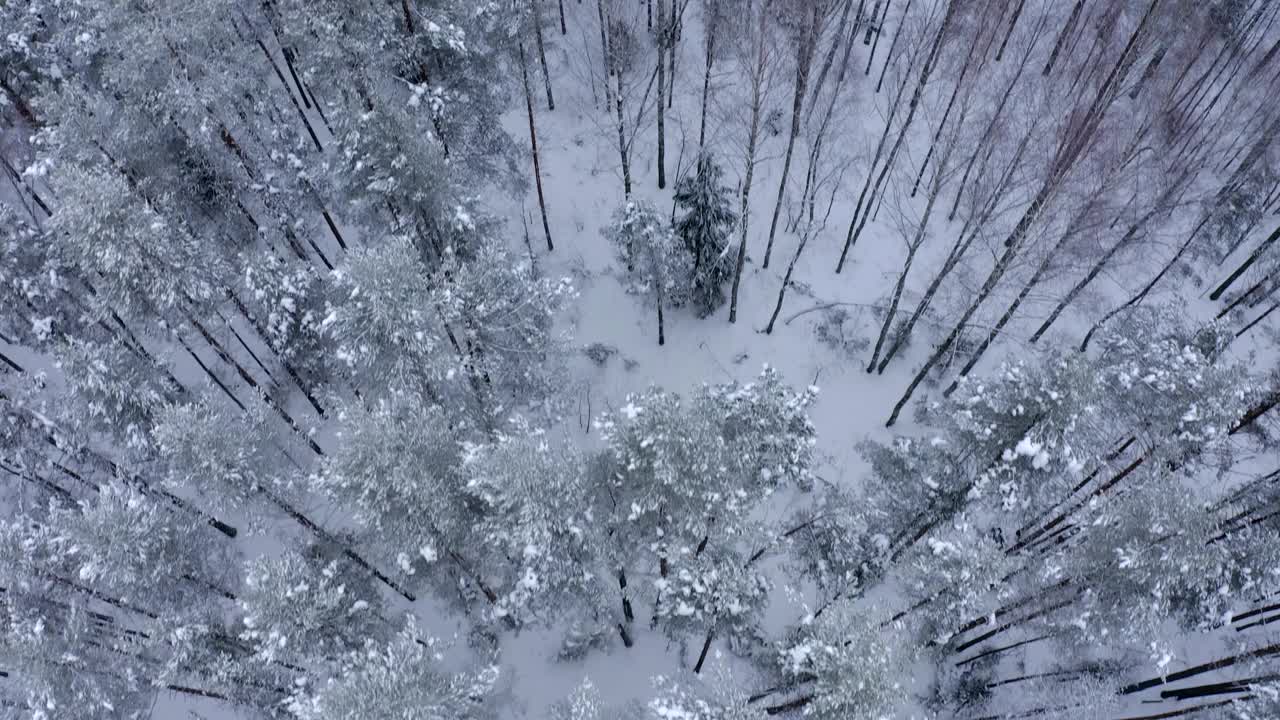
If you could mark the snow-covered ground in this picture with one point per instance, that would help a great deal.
(583, 185)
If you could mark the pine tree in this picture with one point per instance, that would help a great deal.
(851, 665)
(584, 703)
(682, 481)
(405, 677)
(705, 228)
(720, 698)
(305, 609)
(109, 600)
(396, 470)
(538, 528)
(657, 265)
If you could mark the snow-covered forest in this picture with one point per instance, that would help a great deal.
(639, 359)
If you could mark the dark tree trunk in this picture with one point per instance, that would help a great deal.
(1062, 37)
(706, 89)
(1132, 234)
(533, 144)
(1262, 408)
(804, 61)
(1013, 22)
(662, 36)
(987, 135)
(889, 57)
(1263, 652)
(915, 244)
(830, 57)
(753, 136)
(871, 56)
(536, 10)
(662, 336)
(1249, 261)
(702, 656)
(786, 280)
(324, 535)
(955, 93)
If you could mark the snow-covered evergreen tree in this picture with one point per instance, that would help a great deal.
(719, 698)
(108, 601)
(539, 529)
(584, 703)
(302, 608)
(397, 472)
(682, 480)
(708, 221)
(657, 263)
(225, 455)
(405, 677)
(847, 665)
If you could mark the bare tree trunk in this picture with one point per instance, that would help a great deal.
(1062, 37)
(836, 39)
(622, 136)
(536, 16)
(261, 330)
(19, 102)
(804, 62)
(324, 535)
(1244, 266)
(958, 251)
(955, 93)
(1246, 295)
(786, 279)
(1013, 21)
(613, 70)
(533, 143)
(563, 30)
(875, 11)
(1263, 652)
(912, 106)
(1263, 407)
(1146, 289)
(875, 160)
(662, 106)
(1009, 312)
(815, 151)
(871, 56)
(702, 656)
(987, 134)
(759, 71)
(745, 211)
(897, 33)
(1130, 235)
(8, 361)
(1068, 153)
(604, 50)
(301, 113)
(673, 51)
(706, 87)
(662, 337)
(253, 384)
(914, 245)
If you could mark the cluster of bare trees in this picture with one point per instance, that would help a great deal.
(1058, 146)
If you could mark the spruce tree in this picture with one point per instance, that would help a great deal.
(705, 228)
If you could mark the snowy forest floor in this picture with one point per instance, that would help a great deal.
(583, 185)
(824, 332)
